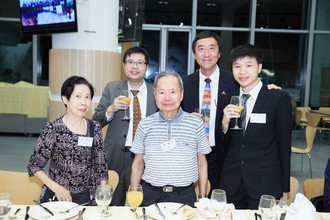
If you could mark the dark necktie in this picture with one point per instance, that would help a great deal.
(245, 97)
(206, 106)
(136, 111)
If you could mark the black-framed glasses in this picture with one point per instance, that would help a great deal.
(131, 63)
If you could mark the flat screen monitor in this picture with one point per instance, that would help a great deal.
(48, 16)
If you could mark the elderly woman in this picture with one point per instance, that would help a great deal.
(73, 146)
(170, 148)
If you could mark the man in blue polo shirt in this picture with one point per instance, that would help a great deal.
(170, 148)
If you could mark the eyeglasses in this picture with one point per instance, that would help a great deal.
(131, 63)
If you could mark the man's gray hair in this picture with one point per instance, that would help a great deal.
(168, 73)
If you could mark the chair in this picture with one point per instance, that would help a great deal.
(196, 186)
(326, 119)
(298, 119)
(22, 188)
(113, 179)
(294, 187)
(303, 110)
(313, 188)
(313, 120)
(309, 135)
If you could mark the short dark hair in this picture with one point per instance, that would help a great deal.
(207, 34)
(246, 50)
(71, 82)
(136, 50)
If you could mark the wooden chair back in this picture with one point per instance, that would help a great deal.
(303, 111)
(313, 188)
(113, 179)
(325, 118)
(313, 119)
(22, 188)
(196, 186)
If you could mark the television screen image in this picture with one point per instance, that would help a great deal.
(47, 16)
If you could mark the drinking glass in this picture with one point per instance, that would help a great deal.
(280, 209)
(5, 204)
(134, 197)
(218, 201)
(126, 99)
(237, 101)
(103, 197)
(266, 207)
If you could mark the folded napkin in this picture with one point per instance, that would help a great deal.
(204, 209)
(301, 208)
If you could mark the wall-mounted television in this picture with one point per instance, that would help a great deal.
(48, 16)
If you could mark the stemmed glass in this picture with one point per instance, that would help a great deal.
(266, 207)
(134, 197)
(237, 101)
(126, 99)
(218, 201)
(5, 204)
(103, 197)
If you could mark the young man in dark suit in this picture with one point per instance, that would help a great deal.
(258, 157)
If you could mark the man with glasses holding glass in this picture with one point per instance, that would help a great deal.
(110, 111)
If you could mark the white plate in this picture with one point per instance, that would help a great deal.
(167, 208)
(39, 213)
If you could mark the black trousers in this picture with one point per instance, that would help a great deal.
(215, 160)
(152, 194)
(242, 200)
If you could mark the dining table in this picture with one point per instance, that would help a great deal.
(124, 212)
(322, 112)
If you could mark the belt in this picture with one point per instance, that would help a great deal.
(126, 149)
(168, 188)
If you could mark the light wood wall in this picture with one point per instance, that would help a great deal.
(98, 67)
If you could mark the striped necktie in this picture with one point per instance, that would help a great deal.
(136, 111)
(245, 97)
(206, 105)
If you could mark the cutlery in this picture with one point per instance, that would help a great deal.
(45, 208)
(176, 211)
(144, 213)
(69, 209)
(81, 212)
(160, 211)
(27, 213)
(14, 215)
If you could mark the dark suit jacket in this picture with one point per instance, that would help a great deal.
(117, 130)
(261, 158)
(227, 86)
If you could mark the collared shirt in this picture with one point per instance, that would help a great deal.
(214, 97)
(176, 166)
(251, 101)
(142, 95)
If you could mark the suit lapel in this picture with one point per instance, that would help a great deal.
(262, 97)
(194, 91)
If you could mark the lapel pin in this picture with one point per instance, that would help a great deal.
(223, 93)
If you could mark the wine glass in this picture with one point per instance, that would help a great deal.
(134, 197)
(266, 207)
(237, 101)
(280, 208)
(126, 99)
(103, 197)
(218, 201)
(5, 204)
